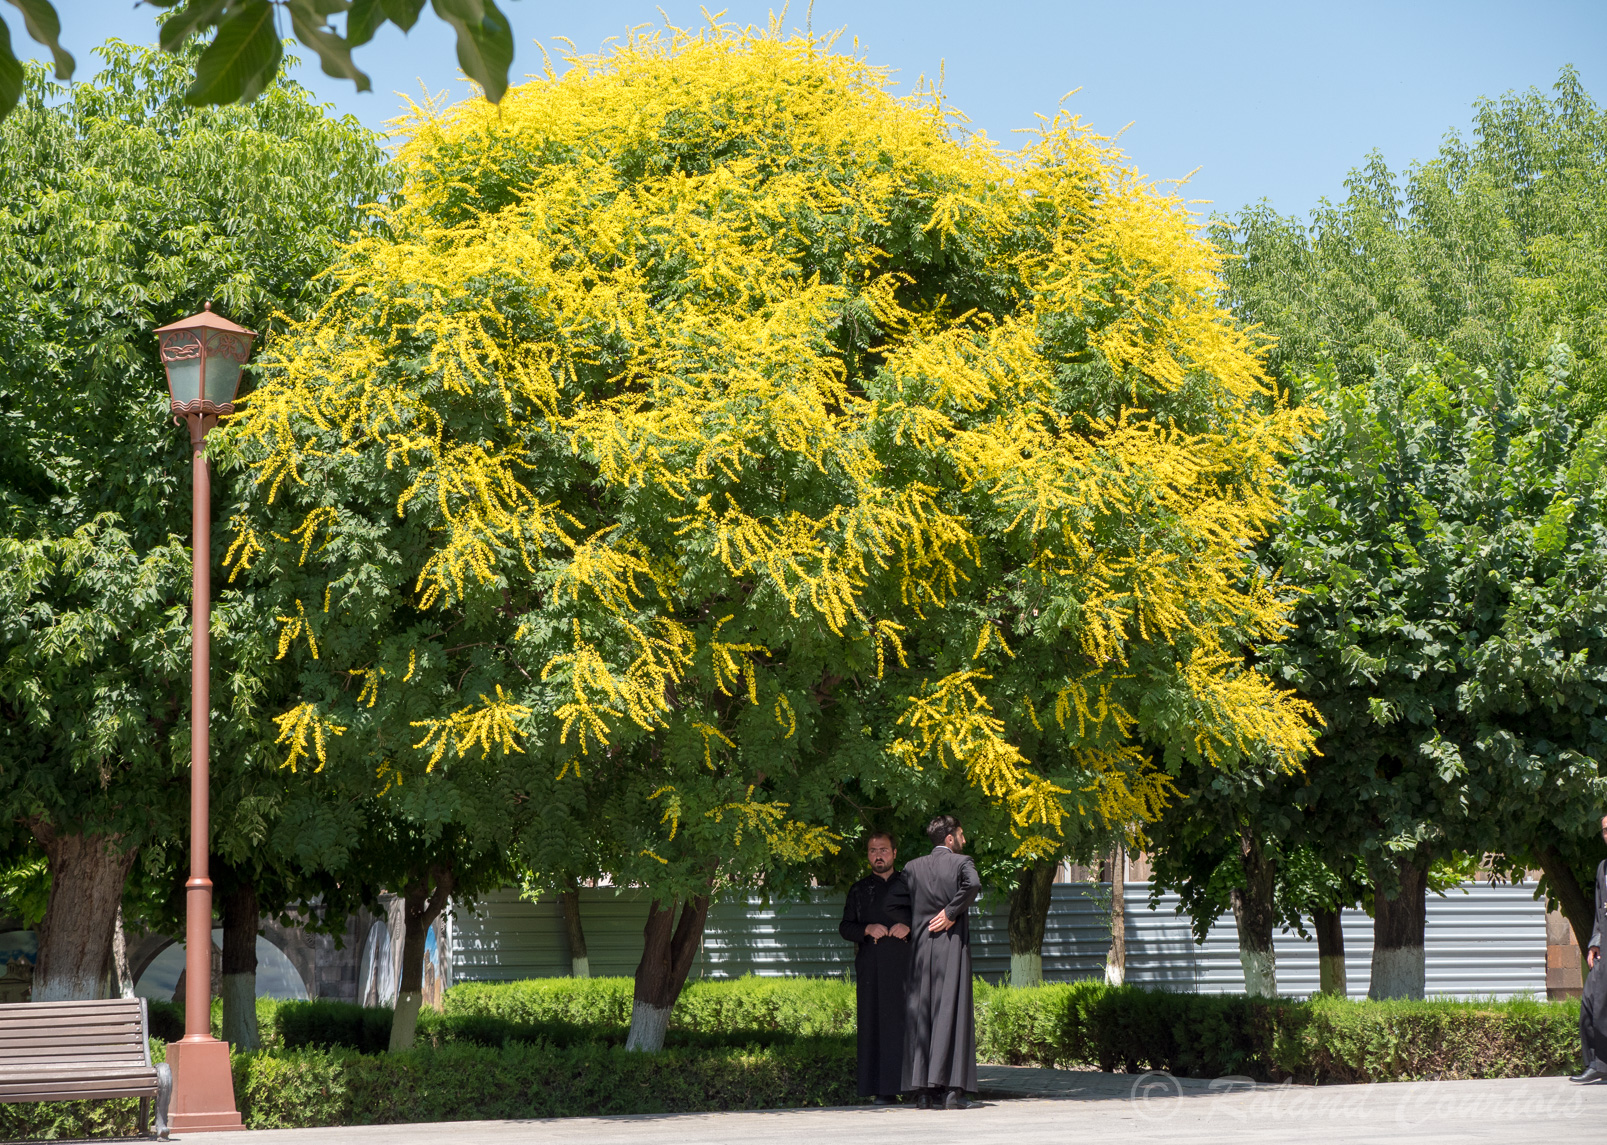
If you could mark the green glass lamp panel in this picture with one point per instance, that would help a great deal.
(184, 379)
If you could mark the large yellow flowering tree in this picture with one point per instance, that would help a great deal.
(712, 429)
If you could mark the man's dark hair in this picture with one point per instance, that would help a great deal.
(940, 828)
(892, 841)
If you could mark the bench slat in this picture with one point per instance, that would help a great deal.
(68, 1021)
(49, 1090)
(38, 1058)
(66, 1011)
(71, 1052)
(15, 1074)
(81, 1034)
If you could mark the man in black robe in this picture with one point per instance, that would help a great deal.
(939, 1024)
(876, 918)
(1593, 1002)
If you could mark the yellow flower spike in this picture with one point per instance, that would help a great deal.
(295, 726)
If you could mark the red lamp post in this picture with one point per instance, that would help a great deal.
(203, 355)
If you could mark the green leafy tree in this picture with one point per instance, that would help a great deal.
(122, 208)
(245, 54)
(1493, 250)
(1449, 532)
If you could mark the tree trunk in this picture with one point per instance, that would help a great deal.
(1116, 960)
(1255, 915)
(87, 873)
(666, 961)
(239, 985)
(1571, 898)
(420, 908)
(579, 966)
(1398, 969)
(1029, 915)
(1330, 953)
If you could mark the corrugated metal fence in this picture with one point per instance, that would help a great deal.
(1482, 941)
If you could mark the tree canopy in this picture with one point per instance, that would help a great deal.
(707, 427)
(1492, 250)
(121, 208)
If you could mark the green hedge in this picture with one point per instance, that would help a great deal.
(801, 1006)
(551, 1048)
(1325, 1040)
(344, 1025)
(464, 1082)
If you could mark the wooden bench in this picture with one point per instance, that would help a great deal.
(71, 1051)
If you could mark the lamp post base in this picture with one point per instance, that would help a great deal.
(203, 1087)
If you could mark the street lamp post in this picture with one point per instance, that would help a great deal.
(203, 355)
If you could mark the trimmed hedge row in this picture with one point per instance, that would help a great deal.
(1091, 1025)
(344, 1025)
(522, 1080)
(550, 1049)
(803, 1006)
(1324, 1040)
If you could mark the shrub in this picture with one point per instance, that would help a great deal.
(459, 1082)
(580, 1001)
(802, 1006)
(332, 1025)
(166, 1021)
(1037, 1026)
(1411, 1041)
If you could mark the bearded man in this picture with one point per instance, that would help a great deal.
(876, 918)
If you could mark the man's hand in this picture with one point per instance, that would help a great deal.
(899, 930)
(940, 922)
(1591, 955)
(875, 932)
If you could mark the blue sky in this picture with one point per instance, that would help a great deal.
(1267, 100)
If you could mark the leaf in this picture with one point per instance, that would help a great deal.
(362, 21)
(334, 53)
(402, 13)
(241, 61)
(10, 74)
(485, 44)
(193, 18)
(45, 27)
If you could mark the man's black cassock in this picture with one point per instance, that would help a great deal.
(1593, 1005)
(939, 1025)
(880, 969)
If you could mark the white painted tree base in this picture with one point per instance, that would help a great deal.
(648, 1024)
(1026, 970)
(405, 1021)
(1331, 975)
(239, 994)
(580, 968)
(66, 988)
(1260, 972)
(1115, 973)
(1397, 973)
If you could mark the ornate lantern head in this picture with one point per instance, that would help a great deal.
(203, 355)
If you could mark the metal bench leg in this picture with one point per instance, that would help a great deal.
(164, 1092)
(144, 1115)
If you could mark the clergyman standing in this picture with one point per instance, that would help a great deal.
(1593, 1000)
(876, 918)
(939, 1023)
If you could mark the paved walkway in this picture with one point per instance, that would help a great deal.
(1088, 1109)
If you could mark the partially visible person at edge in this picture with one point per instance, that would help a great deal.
(939, 1024)
(877, 919)
(1593, 1002)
